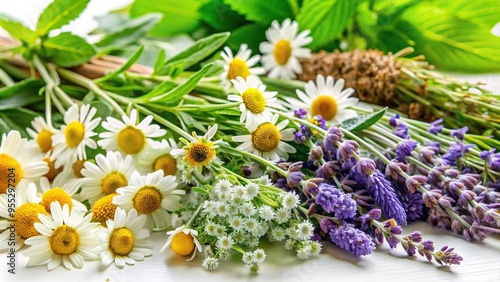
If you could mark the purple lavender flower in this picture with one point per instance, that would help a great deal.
(333, 135)
(394, 120)
(320, 121)
(456, 151)
(346, 150)
(328, 170)
(386, 198)
(459, 133)
(353, 240)
(405, 149)
(435, 145)
(401, 131)
(294, 178)
(436, 127)
(334, 201)
(299, 137)
(491, 159)
(300, 113)
(413, 205)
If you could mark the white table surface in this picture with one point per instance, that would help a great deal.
(481, 259)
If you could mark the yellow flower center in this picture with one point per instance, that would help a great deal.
(121, 241)
(282, 51)
(326, 106)
(104, 209)
(131, 140)
(65, 240)
(254, 100)
(238, 67)
(44, 140)
(10, 172)
(74, 133)
(200, 153)
(166, 163)
(113, 181)
(147, 200)
(53, 172)
(25, 217)
(182, 244)
(77, 168)
(266, 137)
(56, 194)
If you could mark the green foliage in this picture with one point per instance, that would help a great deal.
(58, 14)
(326, 19)
(178, 16)
(68, 50)
(220, 17)
(17, 30)
(362, 122)
(262, 11)
(251, 34)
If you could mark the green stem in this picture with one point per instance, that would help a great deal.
(165, 122)
(196, 213)
(5, 78)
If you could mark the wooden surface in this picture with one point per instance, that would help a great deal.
(481, 263)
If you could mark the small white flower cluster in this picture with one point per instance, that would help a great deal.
(236, 217)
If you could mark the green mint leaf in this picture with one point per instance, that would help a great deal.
(178, 16)
(124, 67)
(446, 40)
(58, 14)
(176, 94)
(19, 100)
(29, 85)
(484, 12)
(129, 33)
(326, 19)
(68, 50)
(262, 11)
(200, 49)
(110, 23)
(220, 16)
(17, 30)
(362, 122)
(251, 34)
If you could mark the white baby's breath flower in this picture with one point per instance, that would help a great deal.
(210, 263)
(248, 209)
(251, 191)
(285, 46)
(260, 255)
(304, 230)
(278, 234)
(282, 215)
(291, 200)
(236, 222)
(266, 213)
(251, 225)
(225, 242)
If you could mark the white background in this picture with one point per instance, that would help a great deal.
(481, 260)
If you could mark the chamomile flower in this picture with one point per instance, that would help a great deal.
(183, 241)
(62, 190)
(255, 101)
(285, 46)
(17, 162)
(240, 65)
(225, 242)
(42, 134)
(266, 140)
(328, 99)
(26, 212)
(153, 195)
(124, 241)
(104, 209)
(198, 153)
(108, 174)
(128, 136)
(66, 238)
(75, 135)
(158, 157)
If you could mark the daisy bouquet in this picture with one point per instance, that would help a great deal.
(219, 156)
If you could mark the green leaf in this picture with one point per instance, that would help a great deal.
(58, 14)
(172, 69)
(262, 11)
(19, 100)
(164, 87)
(124, 67)
(200, 49)
(178, 92)
(484, 12)
(17, 30)
(129, 33)
(220, 16)
(448, 41)
(251, 34)
(29, 85)
(178, 16)
(362, 122)
(199, 190)
(110, 23)
(68, 50)
(326, 19)
(160, 60)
